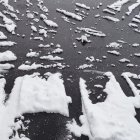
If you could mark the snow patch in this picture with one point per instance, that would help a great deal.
(132, 7)
(7, 43)
(43, 96)
(2, 35)
(70, 14)
(115, 20)
(9, 24)
(7, 56)
(118, 5)
(53, 58)
(112, 119)
(82, 6)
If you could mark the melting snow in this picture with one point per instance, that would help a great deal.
(32, 54)
(43, 32)
(30, 67)
(13, 15)
(34, 66)
(83, 39)
(137, 54)
(111, 18)
(137, 30)
(130, 65)
(132, 7)
(50, 23)
(38, 38)
(90, 58)
(98, 86)
(69, 14)
(5, 67)
(135, 20)
(135, 45)
(50, 57)
(9, 24)
(114, 45)
(109, 11)
(84, 66)
(124, 60)
(133, 25)
(44, 46)
(7, 56)
(7, 43)
(82, 6)
(2, 35)
(92, 31)
(6, 4)
(57, 51)
(43, 96)
(34, 28)
(118, 5)
(112, 119)
(114, 52)
(127, 76)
